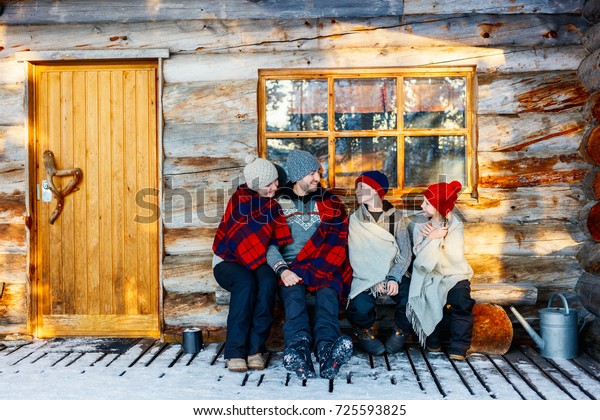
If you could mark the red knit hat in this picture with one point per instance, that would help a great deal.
(443, 196)
(376, 180)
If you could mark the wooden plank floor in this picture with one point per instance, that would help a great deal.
(521, 374)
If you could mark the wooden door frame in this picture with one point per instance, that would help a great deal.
(30, 60)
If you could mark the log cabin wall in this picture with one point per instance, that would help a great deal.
(588, 285)
(521, 228)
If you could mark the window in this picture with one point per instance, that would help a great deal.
(414, 124)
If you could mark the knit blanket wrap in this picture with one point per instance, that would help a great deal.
(250, 224)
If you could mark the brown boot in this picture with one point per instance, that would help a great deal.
(256, 361)
(237, 365)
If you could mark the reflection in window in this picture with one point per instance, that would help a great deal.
(437, 102)
(354, 155)
(428, 158)
(365, 104)
(278, 150)
(296, 105)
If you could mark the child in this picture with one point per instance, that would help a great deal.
(441, 274)
(380, 254)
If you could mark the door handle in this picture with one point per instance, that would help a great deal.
(60, 195)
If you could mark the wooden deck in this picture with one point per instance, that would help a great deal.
(521, 374)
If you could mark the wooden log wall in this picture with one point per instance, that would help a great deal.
(523, 227)
(588, 285)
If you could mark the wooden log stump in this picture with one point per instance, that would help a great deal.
(492, 330)
(591, 11)
(591, 184)
(591, 38)
(588, 290)
(589, 220)
(589, 257)
(591, 109)
(589, 149)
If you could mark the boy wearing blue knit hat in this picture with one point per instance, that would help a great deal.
(380, 255)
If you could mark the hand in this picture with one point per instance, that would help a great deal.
(392, 288)
(434, 232)
(289, 278)
(380, 288)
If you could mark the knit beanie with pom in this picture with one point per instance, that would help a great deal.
(259, 172)
(376, 180)
(443, 196)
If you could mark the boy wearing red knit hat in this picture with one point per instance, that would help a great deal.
(380, 252)
(441, 274)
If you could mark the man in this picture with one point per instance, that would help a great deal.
(316, 261)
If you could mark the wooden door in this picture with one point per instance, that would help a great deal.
(96, 266)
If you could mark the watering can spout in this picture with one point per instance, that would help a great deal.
(536, 338)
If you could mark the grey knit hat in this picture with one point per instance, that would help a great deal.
(259, 172)
(301, 163)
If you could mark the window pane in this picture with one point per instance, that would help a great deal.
(278, 150)
(426, 159)
(296, 105)
(438, 102)
(365, 104)
(354, 155)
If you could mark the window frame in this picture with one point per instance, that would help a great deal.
(399, 73)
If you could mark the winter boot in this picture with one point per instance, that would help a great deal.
(395, 343)
(297, 359)
(333, 356)
(432, 343)
(368, 342)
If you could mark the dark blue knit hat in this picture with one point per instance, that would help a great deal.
(376, 180)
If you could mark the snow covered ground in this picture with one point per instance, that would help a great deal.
(150, 371)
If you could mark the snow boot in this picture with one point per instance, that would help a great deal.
(366, 339)
(297, 359)
(395, 343)
(333, 356)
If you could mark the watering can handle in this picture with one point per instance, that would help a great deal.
(563, 300)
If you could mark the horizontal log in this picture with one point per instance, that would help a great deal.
(527, 239)
(546, 273)
(13, 268)
(192, 309)
(588, 290)
(589, 257)
(13, 306)
(590, 145)
(194, 207)
(12, 144)
(207, 147)
(12, 207)
(588, 220)
(50, 12)
(229, 102)
(13, 238)
(184, 67)
(493, 30)
(12, 71)
(591, 38)
(591, 184)
(529, 92)
(588, 71)
(526, 169)
(189, 273)
(561, 132)
(503, 6)
(522, 205)
(11, 98)
(179, 241)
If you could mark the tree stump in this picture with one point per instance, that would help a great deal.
(588, 290)
(589, 257)
(492, 330)
(591, 109)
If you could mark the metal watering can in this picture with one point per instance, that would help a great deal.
(558, 329)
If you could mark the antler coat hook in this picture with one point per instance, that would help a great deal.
(60, 195)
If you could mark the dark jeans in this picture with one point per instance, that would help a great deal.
(297, 324)
(361, 310)
(458, 318)
(250, 308)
